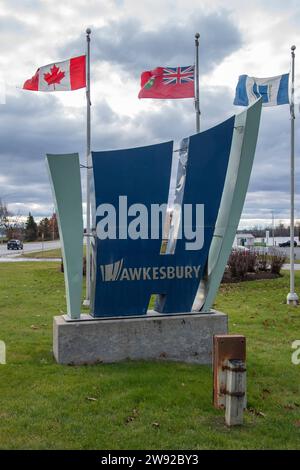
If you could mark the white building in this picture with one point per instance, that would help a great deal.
(244, 239)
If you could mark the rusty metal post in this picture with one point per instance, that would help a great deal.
(225, 347)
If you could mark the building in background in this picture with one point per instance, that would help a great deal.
(244, 239)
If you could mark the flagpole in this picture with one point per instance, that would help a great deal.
(88, 151)
(197, 99)
(292, 297)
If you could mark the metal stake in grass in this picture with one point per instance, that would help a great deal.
(235, 392)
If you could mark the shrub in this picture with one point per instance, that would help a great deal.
(252, 261)
(231, 263)
(83, 267)
(277, 259)
(238, 263)
(262, 261)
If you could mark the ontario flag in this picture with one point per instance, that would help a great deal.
(60, 76)
(168, 83)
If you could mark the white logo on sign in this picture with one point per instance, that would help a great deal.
(111, 272)
(296, 354)
(116, 272)
(2, 352)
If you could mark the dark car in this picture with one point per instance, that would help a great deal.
(287, 243)
(14, 245)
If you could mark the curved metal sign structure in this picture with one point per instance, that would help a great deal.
(131, 260)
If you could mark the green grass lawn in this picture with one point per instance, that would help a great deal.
(55, 253)
(136, 405)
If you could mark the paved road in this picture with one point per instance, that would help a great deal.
(28, 248)
(287, 267)
(286, 250)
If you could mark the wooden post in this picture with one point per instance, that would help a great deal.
(235, 392)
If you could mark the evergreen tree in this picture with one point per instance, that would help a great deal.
(31, 229)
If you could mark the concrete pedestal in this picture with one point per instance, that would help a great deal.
(181, 337)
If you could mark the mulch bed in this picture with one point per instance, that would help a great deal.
(227, 279)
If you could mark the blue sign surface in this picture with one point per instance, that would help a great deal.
(130, 188)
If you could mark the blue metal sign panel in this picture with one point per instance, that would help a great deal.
(131, 192)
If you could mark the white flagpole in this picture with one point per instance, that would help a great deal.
(88, 151)
(292, 297)
(197, 98)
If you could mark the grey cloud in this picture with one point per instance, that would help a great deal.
(269, 187)
(271, 170)
(261, 204)
(24, 4)
(10, 28)
(126, 44)
(32, 125)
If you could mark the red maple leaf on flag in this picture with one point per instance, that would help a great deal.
(55, 76)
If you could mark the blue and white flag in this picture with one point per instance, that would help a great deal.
(274, 90)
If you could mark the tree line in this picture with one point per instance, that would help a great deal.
(14, 227)
(280, 230)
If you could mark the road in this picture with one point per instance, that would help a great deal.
(286, 250)
(29, 248)
(288, 267)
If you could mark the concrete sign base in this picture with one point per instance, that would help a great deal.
(181, 337)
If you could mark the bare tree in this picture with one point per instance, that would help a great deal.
(4, 214)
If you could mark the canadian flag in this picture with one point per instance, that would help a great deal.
(60, 76)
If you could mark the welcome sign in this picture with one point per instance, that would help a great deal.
(129, 194)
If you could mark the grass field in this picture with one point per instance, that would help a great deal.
(142, 405)
(55, 253)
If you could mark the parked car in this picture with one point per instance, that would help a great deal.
(287, 243)
(14, 245)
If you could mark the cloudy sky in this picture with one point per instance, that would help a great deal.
(129, 36)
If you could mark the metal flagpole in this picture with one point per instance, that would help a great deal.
(88, 151)
(197, 99)
(273, 229)
(292, 297)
